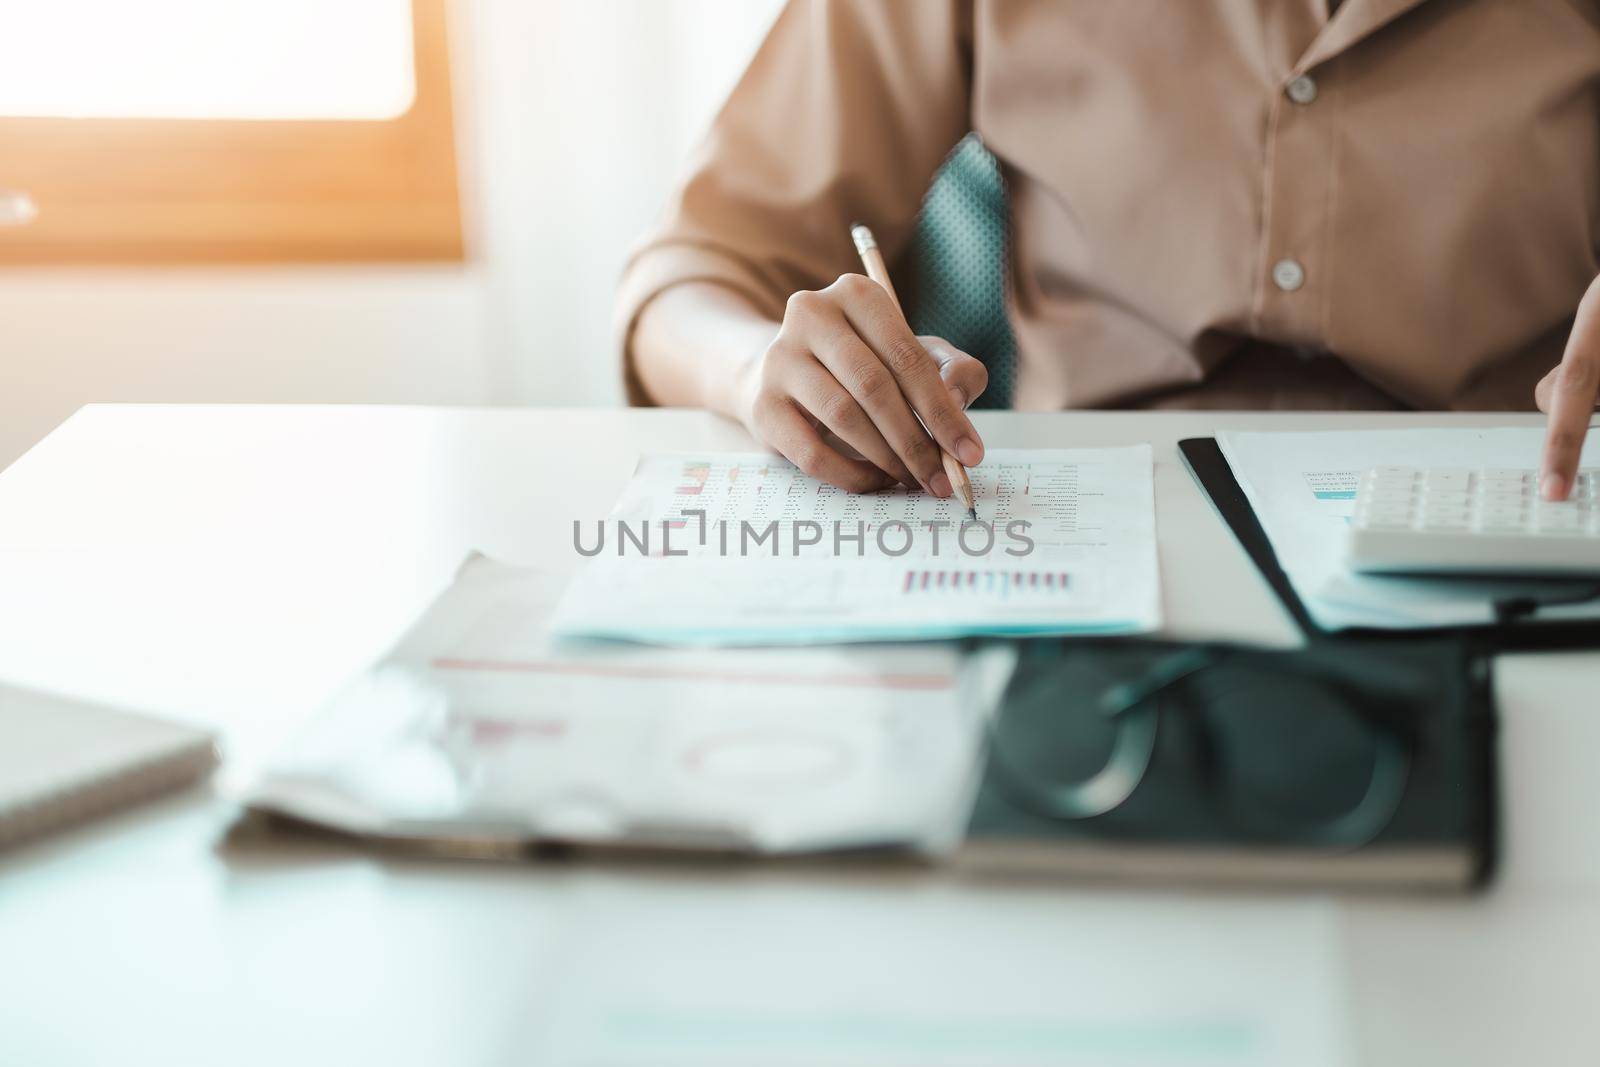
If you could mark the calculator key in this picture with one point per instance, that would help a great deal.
(1455, 521)
(1500, 520)
(1396, 485)
(1557, 524)
(1503, 492)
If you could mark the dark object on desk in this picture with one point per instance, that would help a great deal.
(1362, 765)
(1517, 626)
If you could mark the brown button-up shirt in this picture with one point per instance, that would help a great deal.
(1208, 197)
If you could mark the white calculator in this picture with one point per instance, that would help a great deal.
(1472, 521)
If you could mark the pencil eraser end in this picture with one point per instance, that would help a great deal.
(862, 237)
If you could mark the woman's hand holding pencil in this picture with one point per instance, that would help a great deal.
(845, 369)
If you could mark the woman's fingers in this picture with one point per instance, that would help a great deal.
(1541, 392)
(1571, 404)
(877, 321)
(845, 359)
(870, 385)
(1569, 398)
(830, 403)
(964, 376)
(784, 428)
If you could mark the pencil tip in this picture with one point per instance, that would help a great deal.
(972, 510)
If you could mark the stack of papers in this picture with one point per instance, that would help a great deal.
(732, 549)
(480, 729)
(1303, 487)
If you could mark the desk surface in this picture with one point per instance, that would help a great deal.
(231, 565)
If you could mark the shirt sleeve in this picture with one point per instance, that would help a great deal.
(844, 115)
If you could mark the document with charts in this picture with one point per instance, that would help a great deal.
(725, 548)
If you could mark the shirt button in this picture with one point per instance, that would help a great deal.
(1302, 90)
(1288, 275)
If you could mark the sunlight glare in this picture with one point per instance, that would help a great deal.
(234, 59)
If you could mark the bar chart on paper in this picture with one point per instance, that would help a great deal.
(1002, 584)
(746, 549)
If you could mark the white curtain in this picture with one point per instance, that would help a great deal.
(581, 116)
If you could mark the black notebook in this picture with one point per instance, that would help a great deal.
(1361, 764)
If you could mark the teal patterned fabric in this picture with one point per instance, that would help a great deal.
(953, 276)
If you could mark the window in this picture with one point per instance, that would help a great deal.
(246, 130)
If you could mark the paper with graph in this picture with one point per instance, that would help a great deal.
(745, 549)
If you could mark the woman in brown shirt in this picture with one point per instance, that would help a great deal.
(1214, 203)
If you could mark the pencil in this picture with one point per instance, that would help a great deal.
(872, 260)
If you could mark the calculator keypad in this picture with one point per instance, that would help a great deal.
(1475, 501)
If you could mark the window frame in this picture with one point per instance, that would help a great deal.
(140, 191)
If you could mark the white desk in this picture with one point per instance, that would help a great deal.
(231, 565)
